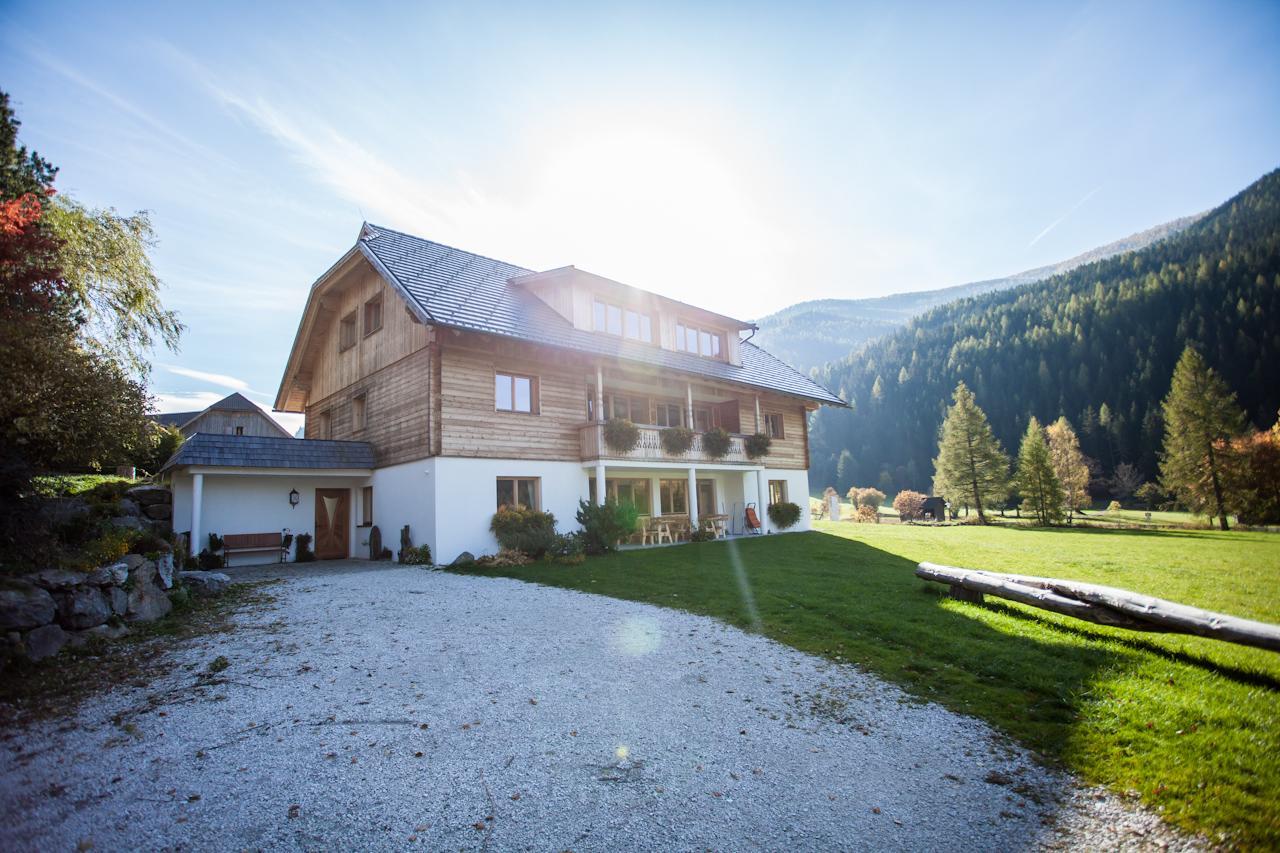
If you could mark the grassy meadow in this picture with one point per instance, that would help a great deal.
(1190, 724)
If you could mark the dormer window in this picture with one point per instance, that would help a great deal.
(615, 320)
(704, 342)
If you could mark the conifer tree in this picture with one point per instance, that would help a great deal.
(1068, 464)
(1200, 416)
(971, 465)
(1036, 481)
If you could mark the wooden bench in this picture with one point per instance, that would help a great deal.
(235, 543)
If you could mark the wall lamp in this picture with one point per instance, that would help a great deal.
(293, 497)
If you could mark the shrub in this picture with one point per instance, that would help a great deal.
(568, 549)
(909, 504)
(505, 557)
(605, 525)
(1114, 506)
(210, 561)
(215, 543)
(715, 442)
(414, 555)
(757, 445)
(621, 435)
(525, 530)
(867, 515)
(676, 440)
(103, 550)
(303, 552)
(784, 515)
(871, 497)
(150, 543)
(702, 535)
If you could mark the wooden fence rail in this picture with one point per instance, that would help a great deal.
(1103, 605)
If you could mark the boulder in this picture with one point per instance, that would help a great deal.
(82, 607)
(133, 560)
(164, 570)
(58, 580)
(158, 512)
(24, 605)
(147, 601)
(141, 571)
(59, 511)
(150, 495)
(115, 574)
(103, 632)
(44, 642)
(205, 583)
(466, 558)
(129, 522)
(119, 600)
(128, 507)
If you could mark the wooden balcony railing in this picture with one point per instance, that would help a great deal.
(649, 448)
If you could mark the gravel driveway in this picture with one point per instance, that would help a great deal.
(391, 707)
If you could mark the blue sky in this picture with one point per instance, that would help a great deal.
(740, 156)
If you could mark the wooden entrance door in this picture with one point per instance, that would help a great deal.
(706, 497)
(333, 516)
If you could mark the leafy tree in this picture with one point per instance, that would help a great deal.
(1150, 494)
(1068, 464)
(1253, 476)
(21, 171)
(869, 497)
(1036, 481)
(971, 465)
(1200, 414)
(909, 504)
(105, 263)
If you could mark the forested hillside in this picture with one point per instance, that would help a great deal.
(811, 334)
(1097, 344)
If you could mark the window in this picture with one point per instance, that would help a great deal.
(519, 492)
(513, 393)
(323, 422)
(239, 430)
(702, 419)
(373, 315)
(704, 342)
(773, 426)
(668, 414)
(358, 412)
(777, 491)
(366, 506)
(625, 491)
(347, 332)
(673, 495)
(615, 320)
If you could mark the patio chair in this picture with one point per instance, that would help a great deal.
(753, 521)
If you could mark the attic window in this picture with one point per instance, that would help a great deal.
(373, 315)
(347, 332)
(614, 320)
(704, 342)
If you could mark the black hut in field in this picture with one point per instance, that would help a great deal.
(934, 509)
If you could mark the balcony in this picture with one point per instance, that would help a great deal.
(649, 449)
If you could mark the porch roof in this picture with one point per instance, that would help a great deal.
(251, 451)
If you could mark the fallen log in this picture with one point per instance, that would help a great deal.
(1106, 605)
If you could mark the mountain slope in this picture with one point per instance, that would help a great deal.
(811, 334)
(1097, 344)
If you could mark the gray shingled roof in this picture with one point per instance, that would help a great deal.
(252, 451)
(461, 290)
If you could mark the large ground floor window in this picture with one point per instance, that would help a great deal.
(777, 491)
(628, 490)
(519, 493)
(674, 495)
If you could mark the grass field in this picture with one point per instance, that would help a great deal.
(1192, 725)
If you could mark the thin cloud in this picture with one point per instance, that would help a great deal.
(1055, 223)
(185, 401)
(212, 378)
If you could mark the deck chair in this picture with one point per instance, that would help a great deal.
(753, 520)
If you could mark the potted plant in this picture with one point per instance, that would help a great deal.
(677, 440)
(757, 445)
(621, 435)
(715, 442)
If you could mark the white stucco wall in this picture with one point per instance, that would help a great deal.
(797, 493)
(406, 494)
(259, 503)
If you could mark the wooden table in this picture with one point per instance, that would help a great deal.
(717, 524)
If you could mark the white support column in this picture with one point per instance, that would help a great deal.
(655, 496)
(758, 430)
(600, 491)
(693, 497)
(762, 486)
(600, 394)
(688, 388)
(197, 498)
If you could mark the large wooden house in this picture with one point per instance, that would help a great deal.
(439, 385)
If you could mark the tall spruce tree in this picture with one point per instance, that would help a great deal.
(1068, 464)
(1036, 481)
(1201, 417)
(971, 465)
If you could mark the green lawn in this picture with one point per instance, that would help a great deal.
(1192, 724)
